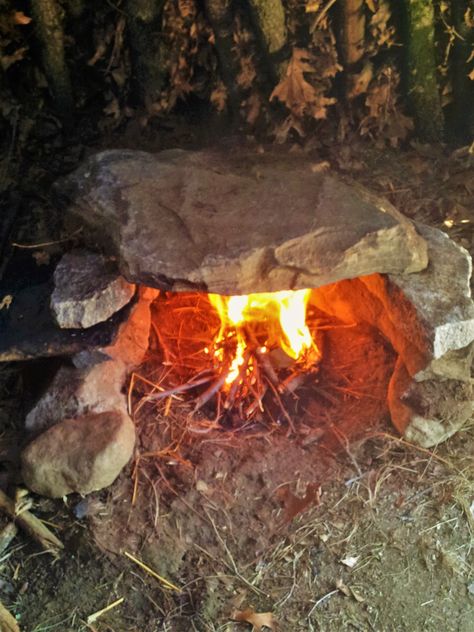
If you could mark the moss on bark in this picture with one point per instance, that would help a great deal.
(422, 83)
(47, 17)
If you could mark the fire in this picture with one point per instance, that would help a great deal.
(263, 321)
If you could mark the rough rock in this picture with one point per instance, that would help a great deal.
(94, 383)
(79, 455)
(131, 343)
(235, 223)
(87, 290)
(28, 329)
(76, 392)
(428, 318)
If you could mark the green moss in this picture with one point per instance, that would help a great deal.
(270, 18)
(422, 78)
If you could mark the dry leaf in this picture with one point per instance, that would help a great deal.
(341, 586)
(6, 302)
(350, 561)
(294, 505)
(312, 6)
(20, 18)
(299, 96)
(258, 620)
(8, 60)
(41, 257)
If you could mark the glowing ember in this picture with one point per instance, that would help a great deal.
(259, 323)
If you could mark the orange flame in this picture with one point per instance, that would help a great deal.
(281, 315)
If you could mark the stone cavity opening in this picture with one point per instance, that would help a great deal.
(335, 387)
(368, 361)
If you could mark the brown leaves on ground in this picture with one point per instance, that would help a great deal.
(259, 620)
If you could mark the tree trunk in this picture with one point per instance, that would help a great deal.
(220, 16)
(47, 17)
(144, 27)
(422, 84)
(352, 32)
(463, 87)
(268, 17)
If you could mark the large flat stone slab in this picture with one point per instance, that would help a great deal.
(235, 224)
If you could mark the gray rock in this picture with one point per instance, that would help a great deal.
(77, 392)
(428, 318)
(87, 290)
(79, 455)
(234, 224)
(131, 343)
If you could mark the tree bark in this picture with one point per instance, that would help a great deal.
(422, 84)
(144, 27)
(268, 17)
(220, 16)
(352, 32)
(463, 87)
(47, 17)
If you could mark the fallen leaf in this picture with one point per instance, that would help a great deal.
(350, 561)
(258, 620)
(41, 257)
(20, 18)
(6, 302)
(294, 505)
(341, 586)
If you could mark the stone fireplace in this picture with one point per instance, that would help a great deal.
(387, 306)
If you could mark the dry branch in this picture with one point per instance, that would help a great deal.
(32, 525)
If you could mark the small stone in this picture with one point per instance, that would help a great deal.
(77, 392)
(87, 290)
(79, 455)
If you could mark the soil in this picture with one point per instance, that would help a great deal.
(359, 532)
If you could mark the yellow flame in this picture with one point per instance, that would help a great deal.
(283, 313)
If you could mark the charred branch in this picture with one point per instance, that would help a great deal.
(48, 19)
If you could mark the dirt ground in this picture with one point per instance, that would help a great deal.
(362, 533)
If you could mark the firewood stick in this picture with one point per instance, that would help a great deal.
(32, 525)
(268, 368)
(282, 408)
(210, 392)
(7, 621)
(6, 536)
(178, 389)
